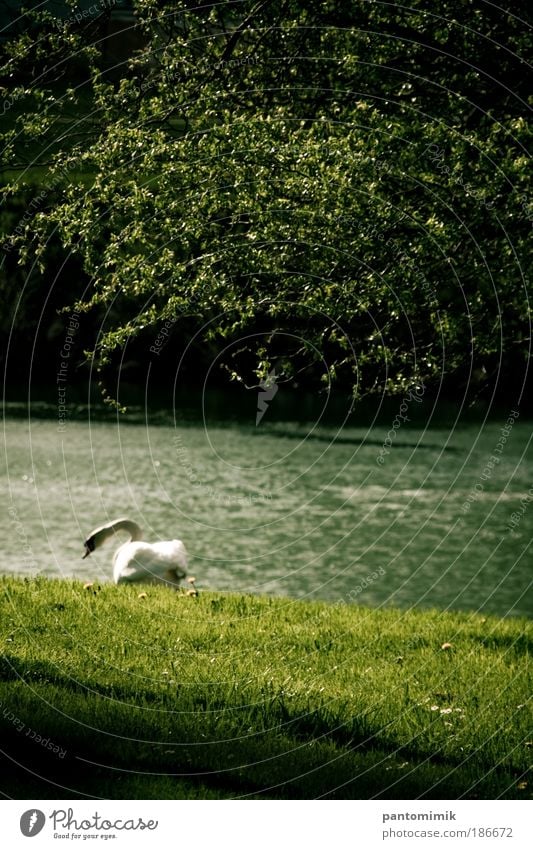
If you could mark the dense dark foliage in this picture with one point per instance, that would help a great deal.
(313, 190)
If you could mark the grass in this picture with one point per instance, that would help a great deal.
(224, 696)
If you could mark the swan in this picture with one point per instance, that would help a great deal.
(136, 561)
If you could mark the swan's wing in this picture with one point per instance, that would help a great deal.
(143, 561)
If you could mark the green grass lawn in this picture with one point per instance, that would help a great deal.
(105, 693)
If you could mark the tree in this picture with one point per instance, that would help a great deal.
(336, 190)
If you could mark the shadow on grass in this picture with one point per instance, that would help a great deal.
(522, 645)
(120, 745)
(284, 769)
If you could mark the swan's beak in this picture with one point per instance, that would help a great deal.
(87, 552)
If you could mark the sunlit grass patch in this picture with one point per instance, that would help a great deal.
(228, 695)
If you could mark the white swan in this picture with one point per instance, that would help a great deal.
(141, 562)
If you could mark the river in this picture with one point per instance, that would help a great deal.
(413, 516)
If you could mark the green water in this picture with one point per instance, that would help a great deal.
(284, 509)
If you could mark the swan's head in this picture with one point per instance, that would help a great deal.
(90, 545)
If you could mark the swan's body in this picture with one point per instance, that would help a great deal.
(141, 562)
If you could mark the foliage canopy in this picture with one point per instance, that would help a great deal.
(332, 189)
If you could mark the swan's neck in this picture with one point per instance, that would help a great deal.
(132, 528)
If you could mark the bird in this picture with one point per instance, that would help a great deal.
(136, 561)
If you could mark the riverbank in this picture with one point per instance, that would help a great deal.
(137, 692)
